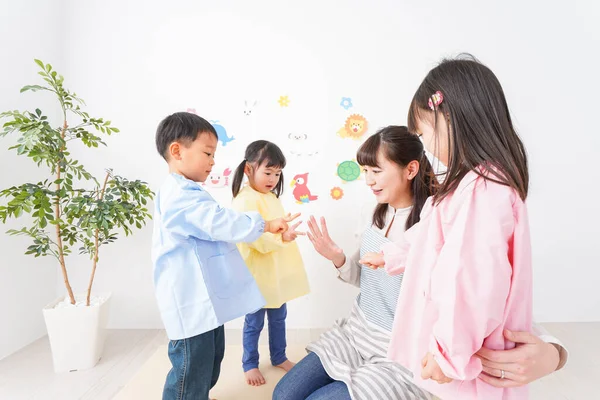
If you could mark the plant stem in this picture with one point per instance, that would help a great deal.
(96, 247)
(61, 255)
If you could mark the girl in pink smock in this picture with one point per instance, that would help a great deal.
(467, 263)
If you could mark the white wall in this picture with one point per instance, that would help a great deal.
(135, 62)
(28, 30)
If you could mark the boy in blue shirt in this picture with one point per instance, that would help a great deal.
(201, 280)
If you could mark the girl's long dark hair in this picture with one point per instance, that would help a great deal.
(480, 129)
(257, 153)
(401, 147)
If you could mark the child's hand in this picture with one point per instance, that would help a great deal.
(372, 260)
(431, 370)
(280, 225)
(291, 234)
(290, 217)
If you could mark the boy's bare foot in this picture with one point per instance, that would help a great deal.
(286, 365)
(254, 377)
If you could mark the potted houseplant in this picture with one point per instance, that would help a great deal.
(70, 211)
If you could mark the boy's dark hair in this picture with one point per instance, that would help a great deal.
(183, 127)
(480, 131)
(257, 153)
(401, 147)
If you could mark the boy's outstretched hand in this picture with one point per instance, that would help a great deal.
(372, 260)
(291, 234)
(280, 225)
(431, 370)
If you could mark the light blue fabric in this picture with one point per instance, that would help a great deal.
(378, 291)
(201, 281)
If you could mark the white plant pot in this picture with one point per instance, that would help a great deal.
(77, 333)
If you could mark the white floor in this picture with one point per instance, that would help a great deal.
(28, 373)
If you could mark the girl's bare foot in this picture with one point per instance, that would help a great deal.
(286, 365)
(254, 377)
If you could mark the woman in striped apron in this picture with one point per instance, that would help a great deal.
(353, 353)
(350, 360)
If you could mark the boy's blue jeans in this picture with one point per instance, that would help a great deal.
(253, 325)
(196, 364)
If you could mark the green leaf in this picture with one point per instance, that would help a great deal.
(33, 88)
(81, 213)
(38, 62)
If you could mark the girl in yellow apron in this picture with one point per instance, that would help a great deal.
(273, 260)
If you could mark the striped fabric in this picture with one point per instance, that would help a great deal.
(379, 291)
(355, 349)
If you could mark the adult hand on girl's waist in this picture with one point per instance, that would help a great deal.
(532, 359)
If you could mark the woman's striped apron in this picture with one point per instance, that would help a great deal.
(355, 349)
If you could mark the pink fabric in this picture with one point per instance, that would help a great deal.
(468, 277)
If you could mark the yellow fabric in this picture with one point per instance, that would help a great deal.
(276, 265)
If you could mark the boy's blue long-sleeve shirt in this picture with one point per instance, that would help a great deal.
(201, 281)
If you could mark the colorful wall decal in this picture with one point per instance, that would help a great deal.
(300, 146)
(346, 103)
(284, 101)
(249, 106)
(337, 193)
(222, 133)
(356, 125)
(348, 171)
(301, 191)
(218, 179)
(298, 137)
